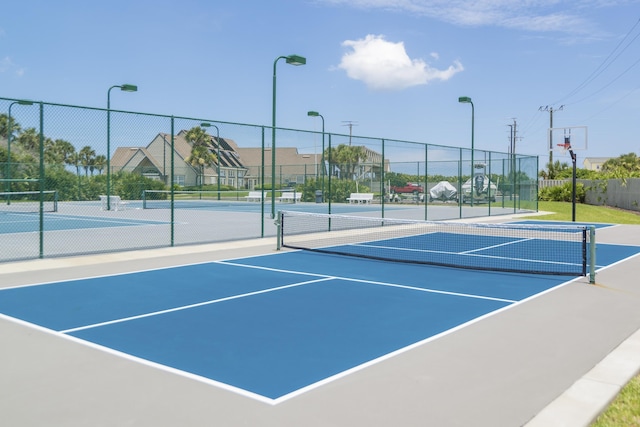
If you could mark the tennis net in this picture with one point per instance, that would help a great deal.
(28, 201)
(522, 248)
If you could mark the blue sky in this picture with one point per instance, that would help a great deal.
(394, 68)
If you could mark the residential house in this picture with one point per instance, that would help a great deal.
(292, 167)
(154, 161)
(594, 163)
(239, 167)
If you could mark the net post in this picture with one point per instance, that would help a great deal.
(143, 196)
(592, 254)
(55, 201)
(278, 223)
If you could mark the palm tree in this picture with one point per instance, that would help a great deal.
(99, 163)
(346, 158)
(29, 140)
(58, 151)
(15, 126)
(201, 155)
(87, 155)
(74, 160)
(554, 170)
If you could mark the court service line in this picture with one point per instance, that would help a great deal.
(373, 282)
(496, 246)
(539, 261)
(199, 304)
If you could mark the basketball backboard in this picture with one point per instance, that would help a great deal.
(560, 140)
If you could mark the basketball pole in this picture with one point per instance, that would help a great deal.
(573, 190)
(567, 146)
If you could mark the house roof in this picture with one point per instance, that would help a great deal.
(286, 156)
(231, 156)
(122, 156)
(597, 159)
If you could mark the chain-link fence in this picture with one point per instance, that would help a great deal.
(79, 180)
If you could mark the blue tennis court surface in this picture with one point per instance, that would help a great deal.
(27, 222)
(274, 326)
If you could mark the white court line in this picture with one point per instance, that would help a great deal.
(496, 246)
(186, 307)
(466, 254)
(372, 282)
(302, 390)
(321, 278)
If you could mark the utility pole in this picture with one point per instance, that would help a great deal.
(550, 110)
(351, 124)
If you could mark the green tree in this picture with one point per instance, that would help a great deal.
(201, 155)
(86, 158)
(4, 126)
(345, 158)
(554, 170)
(99, 163)
(29, 140)
(58, 151)
(625, 166)
(74, 160)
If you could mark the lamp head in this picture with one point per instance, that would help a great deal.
(464, 99)
(313, 114)
(129, 88)
(25, 102)
(296, 60)
(205, 125)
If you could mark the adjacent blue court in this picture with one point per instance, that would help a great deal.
(12, 222)
(273, 326)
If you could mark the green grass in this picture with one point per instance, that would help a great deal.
(624, 411)
(562, 211)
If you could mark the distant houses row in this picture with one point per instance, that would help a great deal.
(238, 167)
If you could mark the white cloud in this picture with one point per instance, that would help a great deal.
(7, 65)
(384, 65)
(528, 15)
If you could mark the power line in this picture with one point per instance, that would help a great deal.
(604, 65)
(610, 83)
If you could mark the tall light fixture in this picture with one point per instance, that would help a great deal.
(316, 114)
(293, 60)
(9, 134)
(206, 125)
(467, 100)
(124, 88)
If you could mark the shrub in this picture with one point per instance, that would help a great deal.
(562, 193)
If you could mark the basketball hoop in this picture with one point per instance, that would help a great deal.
(564, 140)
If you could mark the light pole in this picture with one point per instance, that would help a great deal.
(206, 125)
(9, 132)
(316, 114)
(293, 60)
(467, 100)
(125, 88)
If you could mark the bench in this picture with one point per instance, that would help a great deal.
(360, 198)
(254, 196)
(292, 197)
(115, 203)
